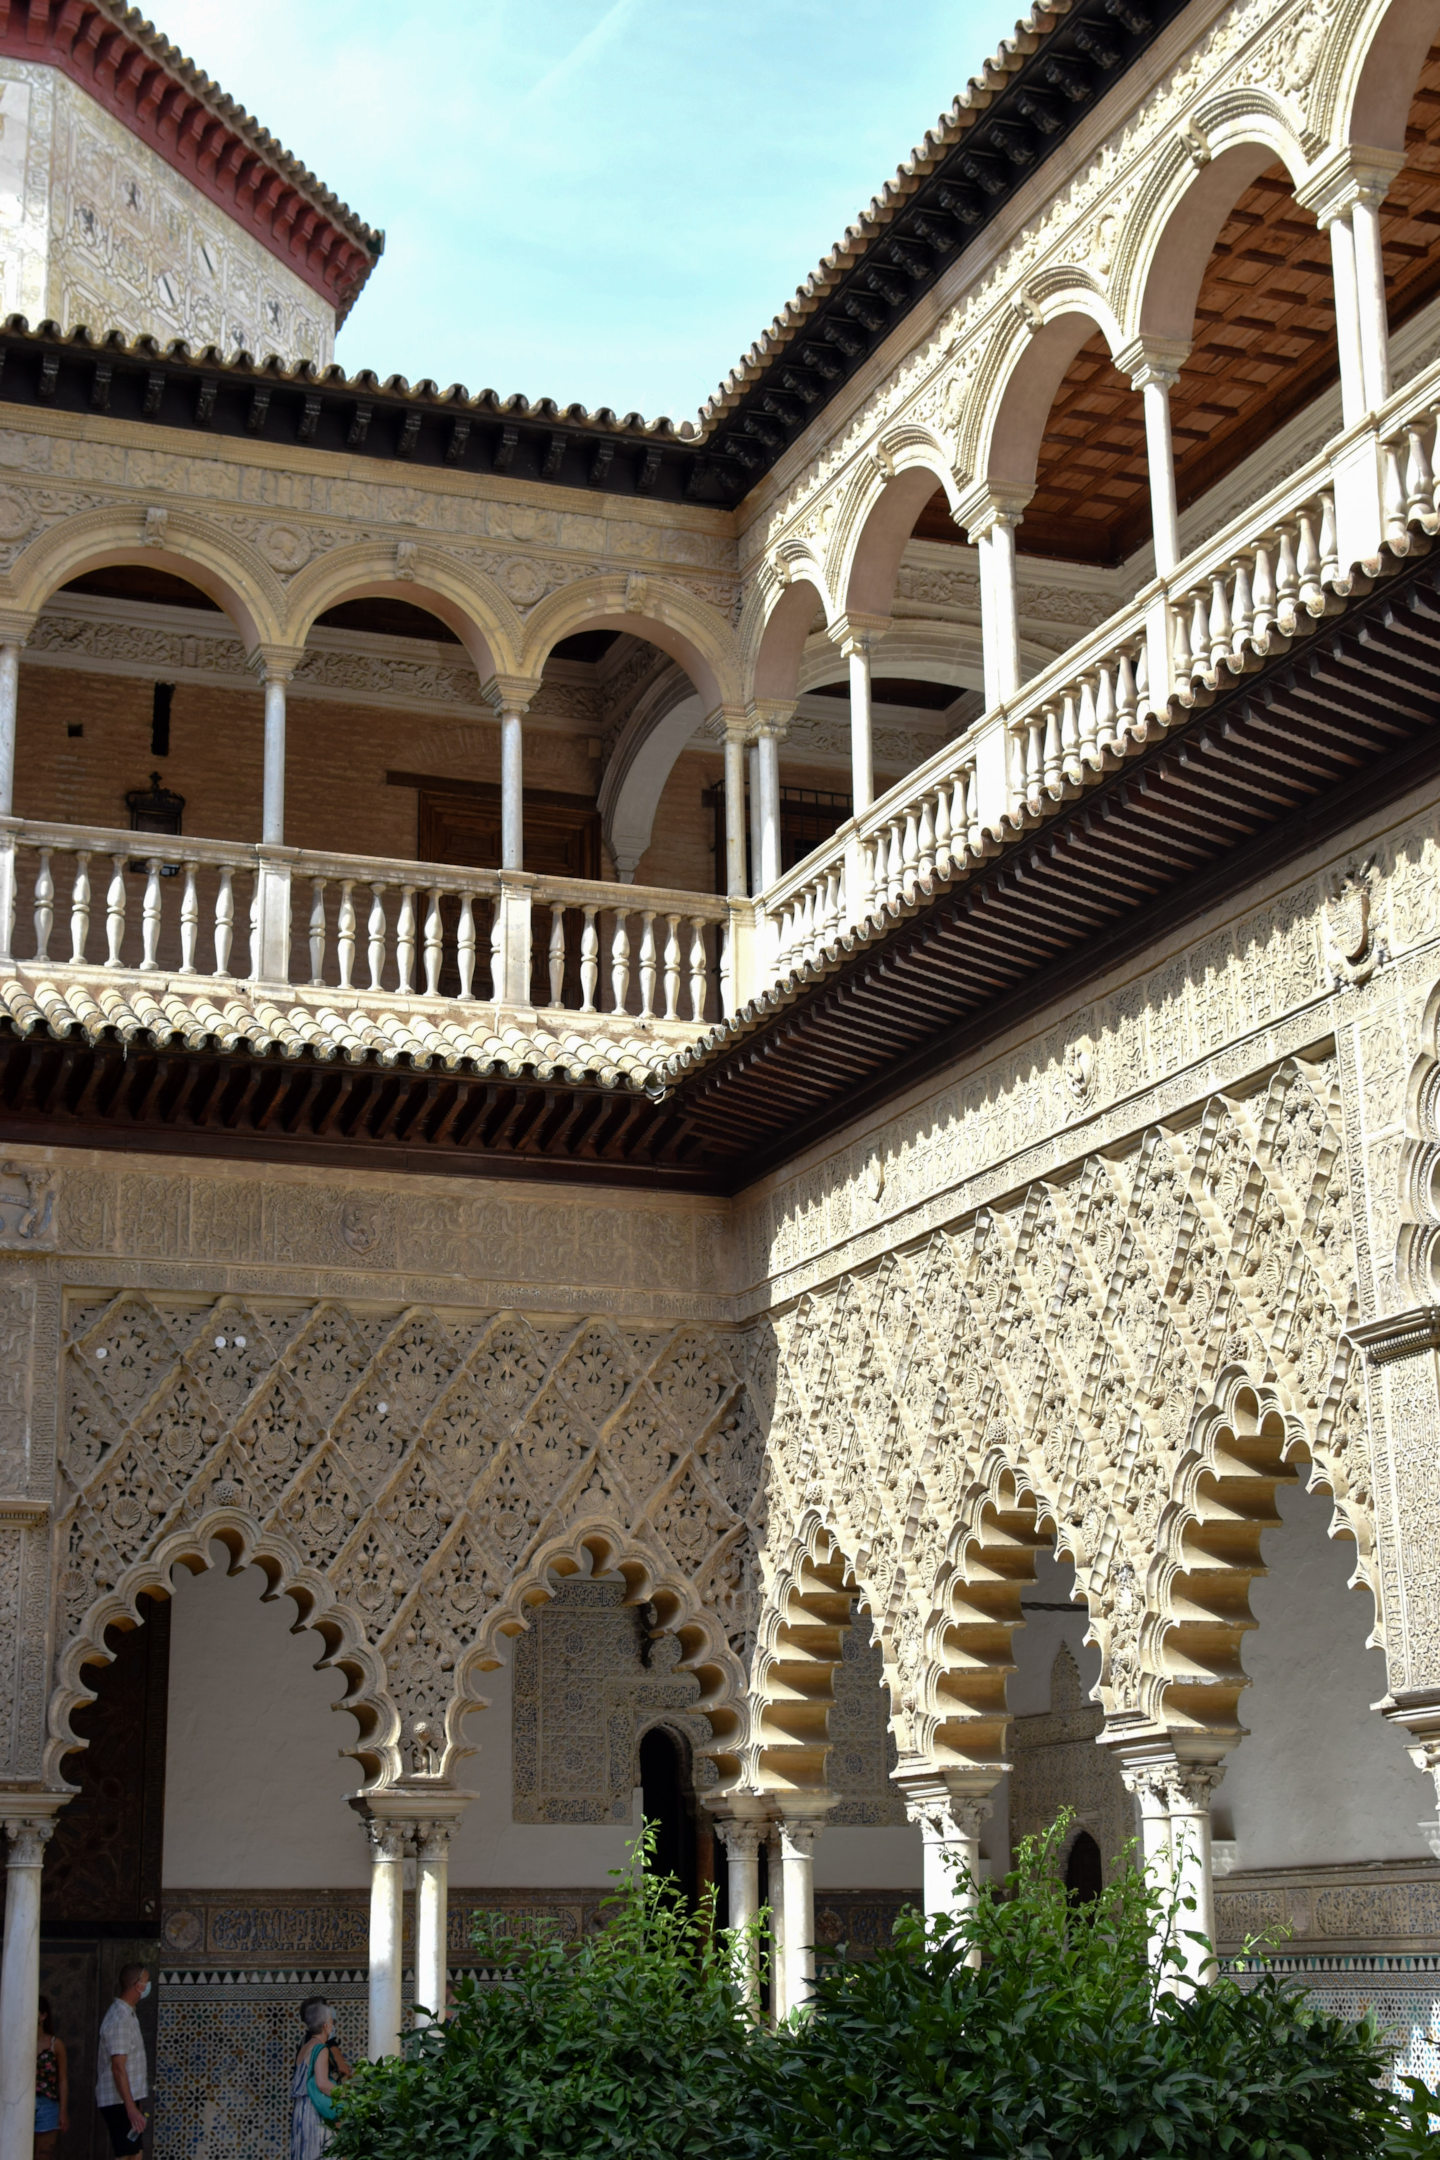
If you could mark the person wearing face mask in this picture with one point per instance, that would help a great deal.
(122, 2079)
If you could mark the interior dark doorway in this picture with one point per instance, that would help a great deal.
(668, 1799)
(1084, 1870)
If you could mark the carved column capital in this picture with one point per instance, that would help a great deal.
(1193, 1786)
(509, 693)
(770, 717)
(1355, 173)
(27, 1836)
(274, 663)
(986, 504)
(742, 1839)
(432, 1840)
(856, 633)
(387, 1837)
(1149, 360)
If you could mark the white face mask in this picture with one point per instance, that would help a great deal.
(144, 1991)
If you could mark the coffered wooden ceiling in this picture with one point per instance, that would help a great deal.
(1264, 347)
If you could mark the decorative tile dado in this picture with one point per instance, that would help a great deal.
(256, 1930)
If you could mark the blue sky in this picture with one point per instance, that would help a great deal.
(602, 200)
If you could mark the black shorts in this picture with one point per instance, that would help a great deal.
(117, 2121)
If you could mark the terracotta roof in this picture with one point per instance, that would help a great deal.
(228, 1016)
(125, 63)
(935, 146)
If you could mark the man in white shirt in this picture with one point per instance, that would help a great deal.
(122, 2077)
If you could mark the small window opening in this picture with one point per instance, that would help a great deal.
(1084, 1871)
(160, 704)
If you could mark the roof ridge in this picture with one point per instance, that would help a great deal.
(235, 115)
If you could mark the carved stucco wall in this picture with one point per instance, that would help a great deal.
(1055, 1262)
(100, 230)
(1056, 1765)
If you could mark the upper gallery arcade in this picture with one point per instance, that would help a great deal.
(804, 1040)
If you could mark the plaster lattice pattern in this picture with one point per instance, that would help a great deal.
(588, 1685)
(1056, 1764)
(862, 1746)
(1091, 1342)
(404, 1466)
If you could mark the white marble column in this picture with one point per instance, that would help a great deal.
(1191, 1788)
(26, 1835)
(1152, 1783)
(757, 882)
(272, 820)
(512, 787)
(432, 1917)
(387, 1933)
(797, 1897)
(856, 649)
(779, 2005)
(1153, 366)
(735, 732)
(1354, 403)
(9, 705)
(1370, 292)
(989, 514)
(742, 1839)
(768, 760)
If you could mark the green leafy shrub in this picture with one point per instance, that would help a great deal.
(632, 2044)
(1064, 2043)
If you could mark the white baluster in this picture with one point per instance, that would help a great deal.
(224, 920)
(1392, 498)
(1287, 579)
(434, 943)
(1263, 594)
(255, 927)
(44, 905)
(647, 965)
(1035, 732)
(698, 968)
(497, 952)
(405, 939)
(927, 836)
(1200, 663)
(807, 924)
(317, 930)
(150, 918)
(465, 945)
(1017, 739)
(1312, 592)
(189, 919)
(80, 909)
(1105, 714)
(1242, 608)
(620, 962)
(1083, 750)
(672, 967)
(115, 912)
(1419, 479)
(1329, 540)
(910, 852)
(1062, 743)
(375, 931)
(1182, 660)
(974, 830)
(345, 934)
(1142, 672)
(944, 830)
(557, 955)
(1219, 623)
(589, 961)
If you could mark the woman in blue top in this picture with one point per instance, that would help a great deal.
(319, 2067)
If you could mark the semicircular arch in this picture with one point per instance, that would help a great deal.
(227, 572)
(470, 606)
(664, 614)
(1182, 207)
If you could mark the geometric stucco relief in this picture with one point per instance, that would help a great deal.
(405, 1467)
(1092, 1343)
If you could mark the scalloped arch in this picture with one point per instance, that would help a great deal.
(604, 1545)
(341, 1630)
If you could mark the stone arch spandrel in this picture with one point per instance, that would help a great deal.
(231, 574)
(398, 1469)
(665, 614)
(1364, 67)
(877, 516)
(471, 605)
(1182, 207)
